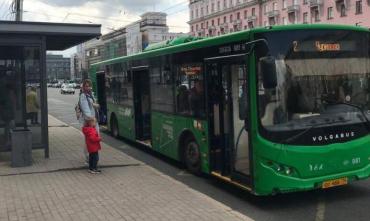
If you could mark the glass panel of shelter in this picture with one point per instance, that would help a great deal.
(20, 87)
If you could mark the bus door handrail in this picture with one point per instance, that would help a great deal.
(140, 67)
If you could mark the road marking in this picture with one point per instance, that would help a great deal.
(320, 210)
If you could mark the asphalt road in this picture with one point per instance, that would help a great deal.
(350, 202)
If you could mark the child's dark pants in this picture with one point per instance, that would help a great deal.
(93, 160)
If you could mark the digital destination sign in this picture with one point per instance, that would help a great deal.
(323, 46)
(191, 70)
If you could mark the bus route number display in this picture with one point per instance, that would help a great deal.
(231, 49)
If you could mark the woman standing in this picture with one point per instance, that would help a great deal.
(89, 108)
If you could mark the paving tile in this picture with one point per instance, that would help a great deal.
(59, 188)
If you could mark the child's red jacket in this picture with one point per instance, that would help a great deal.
(92, 139)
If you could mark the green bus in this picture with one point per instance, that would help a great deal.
(271, 110)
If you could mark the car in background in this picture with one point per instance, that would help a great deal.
(67, 89)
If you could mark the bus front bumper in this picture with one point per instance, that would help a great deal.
(269, 182)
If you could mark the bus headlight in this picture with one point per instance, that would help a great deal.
(281, 168)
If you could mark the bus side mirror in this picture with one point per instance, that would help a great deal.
(268, 72)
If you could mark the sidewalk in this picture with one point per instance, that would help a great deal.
(60, 188)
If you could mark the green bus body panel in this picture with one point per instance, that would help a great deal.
(166, 132)
(125, 119)
(311, 165)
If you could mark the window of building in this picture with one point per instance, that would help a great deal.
(201, 12)
(231, 18)
(265, 8)
(238, 15)
(272, 21)
(224, 19)
(253, 11)
(284, 4)
(316, 15)
(305, 2)
(192, 14)
(359, 7)
(342, 10)
(202, 25)
(231, 3)
(218, 6)
(274, 6)
(285, 21)
(305, 18)
(207, 24)
(218, 21)
(295, 2)
(245, 14)
(96, 51)
(213, 7)
(192, 28)
(196, 27)
(330, 12)
(225, 4)
(207, 9)
(213, 22)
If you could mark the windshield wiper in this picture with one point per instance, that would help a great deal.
(333, 102)
(294, 137)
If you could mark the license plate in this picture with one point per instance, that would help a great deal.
(336, 182)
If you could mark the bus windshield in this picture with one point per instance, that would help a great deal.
(323, 82)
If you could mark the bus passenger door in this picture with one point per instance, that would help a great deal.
(101, 94)
(227, 107)
(142, 103)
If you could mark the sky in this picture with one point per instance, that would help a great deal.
(111, 14)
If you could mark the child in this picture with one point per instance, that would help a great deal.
(92, 139)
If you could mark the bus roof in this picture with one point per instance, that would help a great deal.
(223, 39)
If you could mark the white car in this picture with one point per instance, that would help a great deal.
(67, 89)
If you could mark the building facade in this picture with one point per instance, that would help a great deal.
(128, 40)
(58, 67)
(216, 17)
(152, 28)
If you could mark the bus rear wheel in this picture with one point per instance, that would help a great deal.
(192, 156)
(114, 127)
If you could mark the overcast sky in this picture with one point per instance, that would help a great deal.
(112, 14)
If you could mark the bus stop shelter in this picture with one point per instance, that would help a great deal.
(23, 78)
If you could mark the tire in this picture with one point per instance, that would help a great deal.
(192, 156)
(114, 127)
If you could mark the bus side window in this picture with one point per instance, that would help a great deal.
(183, 105)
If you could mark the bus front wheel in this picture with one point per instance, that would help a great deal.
(192, 156)
(114, 127)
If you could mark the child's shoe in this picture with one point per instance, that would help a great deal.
(92, 171)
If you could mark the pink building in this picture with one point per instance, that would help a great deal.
(216, 17)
